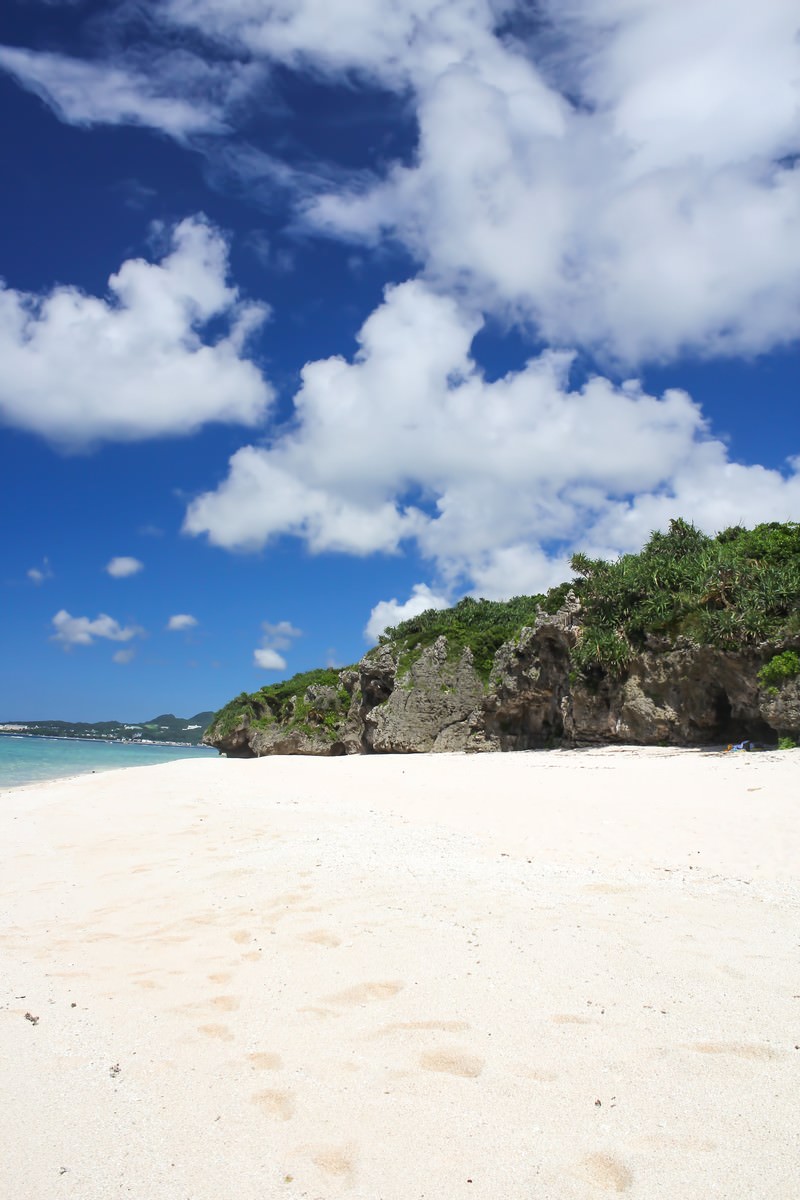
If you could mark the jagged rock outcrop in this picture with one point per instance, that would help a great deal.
(687, 696)
(677, 694)
(429, 705)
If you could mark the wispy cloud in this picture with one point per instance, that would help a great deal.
(93, 93)
(38, 575)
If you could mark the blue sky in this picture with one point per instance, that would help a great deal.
(315, 313)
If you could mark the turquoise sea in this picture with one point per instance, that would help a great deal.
(29, 759)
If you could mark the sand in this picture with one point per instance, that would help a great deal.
(563, 975)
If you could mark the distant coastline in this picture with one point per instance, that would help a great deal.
(164, 730)
(79, 737)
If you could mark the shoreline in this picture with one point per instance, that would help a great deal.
(557, 974)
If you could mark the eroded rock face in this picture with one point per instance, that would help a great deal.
(688, 696)
(278, 740)
(781, 709)
(431, 703)
(672, 694)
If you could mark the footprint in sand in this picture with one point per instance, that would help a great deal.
(363, 993)
(426, 1026)
(607, 1172)
(739, 1049)
(321, 937)
(264, 1061)
(226, 1003)
(450, 1062)
(240, 936)
(334, 1160)
(278, 1105)
(221, 1032)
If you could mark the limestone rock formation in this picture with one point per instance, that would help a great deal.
(679, 694)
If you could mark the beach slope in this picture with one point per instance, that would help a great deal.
(508, 977)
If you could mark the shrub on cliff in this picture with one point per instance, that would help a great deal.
(739, 588)
(479, 625)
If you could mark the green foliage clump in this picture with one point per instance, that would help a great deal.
(779, 669)
(786, 743)
(239, 711)
(739, 588)
(289, 693)
(285, 703)
(480, 625)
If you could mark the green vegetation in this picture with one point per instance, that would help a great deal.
(786, 743)
(779, 669)
(739, 588)
(480, 625)
(285, 703)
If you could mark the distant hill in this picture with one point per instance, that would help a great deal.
(163, 728)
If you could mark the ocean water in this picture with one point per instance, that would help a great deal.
(29, 759)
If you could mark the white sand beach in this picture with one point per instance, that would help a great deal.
(552, 976)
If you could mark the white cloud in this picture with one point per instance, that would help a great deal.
(626, 183)
(657, 209)
(123, 657)
(122, 566)
(269, 660)
(181, 621)
(387, 613)
(176, 93)
(38, 575)
(78, 369)
(625, 178)
(377, 38)
(276, 637)
(507, 477)
(82, 631)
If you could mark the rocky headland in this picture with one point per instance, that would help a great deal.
(695, 641)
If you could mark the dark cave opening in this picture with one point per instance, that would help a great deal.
(732, 729)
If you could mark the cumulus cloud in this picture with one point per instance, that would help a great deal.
(634, 192)
(38, 575)
(623, 176)
(82, 631)
(496, 481)
(276, 638)
(269, 659)
(122, 566)
(387, 613)
(79, 369)
(123, 657)
(181, 621)
(623, 180)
